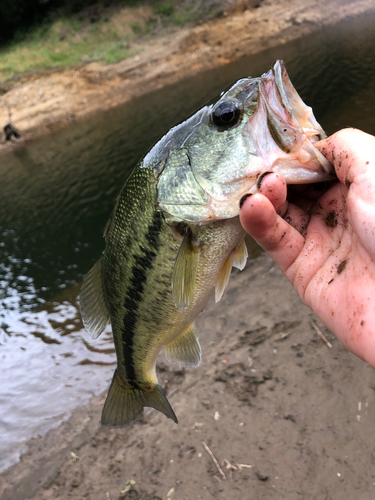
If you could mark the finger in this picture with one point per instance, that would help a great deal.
(351, 152)
(320, 244)
(303, 203)
(273, 187)
(281, 241)
(324, 242)
(353, 155)
(297, 218)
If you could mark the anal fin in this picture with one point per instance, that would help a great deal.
(185, 350)
(124, 403)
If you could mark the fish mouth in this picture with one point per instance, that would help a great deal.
(299, 113)
(276, 131)
(294, 128)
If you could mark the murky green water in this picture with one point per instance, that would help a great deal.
(57, 193)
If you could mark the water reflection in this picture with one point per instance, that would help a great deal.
(57, 193)
(46, 357)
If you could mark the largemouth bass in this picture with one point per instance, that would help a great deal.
(175, 233)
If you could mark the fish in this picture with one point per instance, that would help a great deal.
(174, 234)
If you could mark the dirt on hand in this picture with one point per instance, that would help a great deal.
(272, 412)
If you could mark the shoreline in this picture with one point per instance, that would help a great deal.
(280, 413)
(269, 395)
(44, 103)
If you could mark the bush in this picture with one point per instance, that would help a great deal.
(166, 9)
(20, 15)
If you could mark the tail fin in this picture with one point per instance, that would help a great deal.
(125, 404)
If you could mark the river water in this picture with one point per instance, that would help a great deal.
(57, 193)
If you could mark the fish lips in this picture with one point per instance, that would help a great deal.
(293, 127)
(283, 100)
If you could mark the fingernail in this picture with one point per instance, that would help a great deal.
(261, 177)
(242, 200)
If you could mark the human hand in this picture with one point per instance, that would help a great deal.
(325, 243)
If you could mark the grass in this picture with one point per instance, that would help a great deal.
(67, 41)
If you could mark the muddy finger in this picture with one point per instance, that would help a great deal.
(278, 238)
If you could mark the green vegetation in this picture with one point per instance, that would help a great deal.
(166, 8)
(95, 33)
(62, 44)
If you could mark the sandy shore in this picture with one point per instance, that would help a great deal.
(45, 102)
(285, 416)
(269, 394)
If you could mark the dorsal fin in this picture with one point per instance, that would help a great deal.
(185, 272)
(94, 312)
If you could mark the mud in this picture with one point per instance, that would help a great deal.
(283, 415)
(269, 395)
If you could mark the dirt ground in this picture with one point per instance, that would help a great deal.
(285, 416)
(45, 101)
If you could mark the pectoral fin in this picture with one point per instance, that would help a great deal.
(223, 278)
(185, 272)
(240, 256)
(94, 312)
(237, 258)
(185, 350)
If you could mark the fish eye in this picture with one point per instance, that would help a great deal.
(226, 113)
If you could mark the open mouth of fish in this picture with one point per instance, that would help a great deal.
(259, 125)
(293, 128)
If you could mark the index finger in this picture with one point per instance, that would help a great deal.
(351, 152)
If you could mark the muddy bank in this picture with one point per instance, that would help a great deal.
(269, 395)
(42, 103)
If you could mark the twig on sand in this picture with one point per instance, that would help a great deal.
(214, 460)
(244, 466)
(321, 335)
(229, 465)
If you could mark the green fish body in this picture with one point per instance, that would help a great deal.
(175, 234)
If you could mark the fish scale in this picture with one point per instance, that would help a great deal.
(128, 258)
(175, 233)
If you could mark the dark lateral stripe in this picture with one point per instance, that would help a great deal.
(143, 263)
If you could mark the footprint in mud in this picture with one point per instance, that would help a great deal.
(238, 378)
(258, 335)
(242, 383)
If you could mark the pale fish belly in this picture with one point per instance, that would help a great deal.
(160, 322)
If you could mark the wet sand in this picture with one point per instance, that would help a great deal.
(269, 394)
